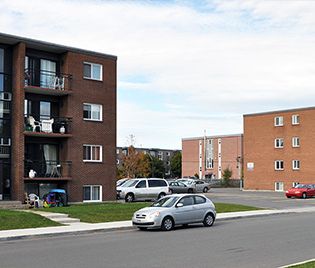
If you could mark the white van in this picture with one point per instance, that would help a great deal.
(143, 189)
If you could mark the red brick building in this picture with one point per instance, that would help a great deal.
(279, 149)
(209, 156)
(57, 120)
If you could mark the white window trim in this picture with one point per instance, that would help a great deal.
(294, 116)
(101, 194)
(91, 78)
(276, 165)
(101, 112)
(279, 139)
(101, 153)
(280, 123)
(279, 190)
(293, 164)
(295, 145)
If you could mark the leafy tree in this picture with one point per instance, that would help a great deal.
(227, 174)
(176, 164)
(144, 169)
(131, 163)
(157, 167)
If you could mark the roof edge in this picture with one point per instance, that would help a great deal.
(281, 111)
(213, 137)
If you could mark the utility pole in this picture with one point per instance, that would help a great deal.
(204, 154)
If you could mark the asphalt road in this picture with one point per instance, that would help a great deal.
(256, 242)
(261, 199)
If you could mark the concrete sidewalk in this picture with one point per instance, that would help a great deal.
(80, 227)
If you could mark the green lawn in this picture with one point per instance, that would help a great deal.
(12, 219)
(107, 212)
(310, 264)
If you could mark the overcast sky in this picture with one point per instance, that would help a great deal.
(185, 66)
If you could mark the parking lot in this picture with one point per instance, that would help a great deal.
(263, 199)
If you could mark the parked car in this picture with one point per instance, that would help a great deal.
(172, 210)
(121, 181)
(181, 187)
(301, 191)
(202, 186)
(143, 189)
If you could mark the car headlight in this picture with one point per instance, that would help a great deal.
(154, 214)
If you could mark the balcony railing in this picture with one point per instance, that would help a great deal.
(5, 151)
(47, 169)
(47, 79)
(61, 125)
(5, 82)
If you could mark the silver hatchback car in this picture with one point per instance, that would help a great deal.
(179, 209)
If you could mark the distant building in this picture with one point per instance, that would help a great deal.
(279, 149)
(209, 156)
(162, 154)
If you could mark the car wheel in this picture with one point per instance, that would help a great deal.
(304, 195)
(142, 228)
(288, 196)
(208, 220)
(205, 190)
(167, 224)
(129, 198)
(190, 190)
(161, 195)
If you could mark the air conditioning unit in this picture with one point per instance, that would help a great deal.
(6, 96)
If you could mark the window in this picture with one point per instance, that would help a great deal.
(117, 161)
(157, 183)
(295, 164)
(117, 151)
(209, 154)
(278, 121)
(160, 155)
(279, 186)
(92, 153)
(142, 184)
(44, 110)
(295, 142)
(199, 200)
(279, 165)
(92, 193)
(187, 201)
(295, 119)
(168, 153)
(92, 112)
(279, 143)
(93, 71)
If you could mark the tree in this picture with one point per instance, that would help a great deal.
(131, 163)
(227, 174)
(176, 165)
(157, 167)
(144, 165)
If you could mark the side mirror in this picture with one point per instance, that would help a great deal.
(179, 205)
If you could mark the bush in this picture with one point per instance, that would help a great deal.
(227, 174)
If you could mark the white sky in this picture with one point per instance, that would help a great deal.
(185, 66)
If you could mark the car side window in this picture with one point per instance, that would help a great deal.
(187, 201)
(181, 184)
(157, 183)
(142, 184)
(199, 200)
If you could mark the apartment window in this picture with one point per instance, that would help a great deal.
(160, 155)
(295, 119)
(93, 71)
(117, 161)
(279, 186)
(117, 151)
(279, 143)
(279, 165)
(92, 193)
(278, 121)
(168, 153)
(92, 112)
(295, 164)
(92, 153)
(295, 142)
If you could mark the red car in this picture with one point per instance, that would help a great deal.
(301, 190)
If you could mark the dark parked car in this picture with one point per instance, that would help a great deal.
(181, 187)
(301, 190)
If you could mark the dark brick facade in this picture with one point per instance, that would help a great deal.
(71, 105)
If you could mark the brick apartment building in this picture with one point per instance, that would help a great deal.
(209, 156)
(57, 120)
(279, 149)
(164, 155)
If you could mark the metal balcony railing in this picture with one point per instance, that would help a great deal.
(47, 79)
(60, 125)
(47, 169)
(5, 151)
(5, 82)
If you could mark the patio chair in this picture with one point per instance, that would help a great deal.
(47, 125)
(35, 125)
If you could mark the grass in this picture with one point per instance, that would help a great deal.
(10, 219)
(106, 212)
(310, 264)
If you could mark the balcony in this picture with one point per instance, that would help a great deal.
(5, 151)
(47, 170)
(47, 83)
(58, 127)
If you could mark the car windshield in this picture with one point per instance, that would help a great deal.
(166, 202)
(130, 183)
(299, 186)
(120, 183)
